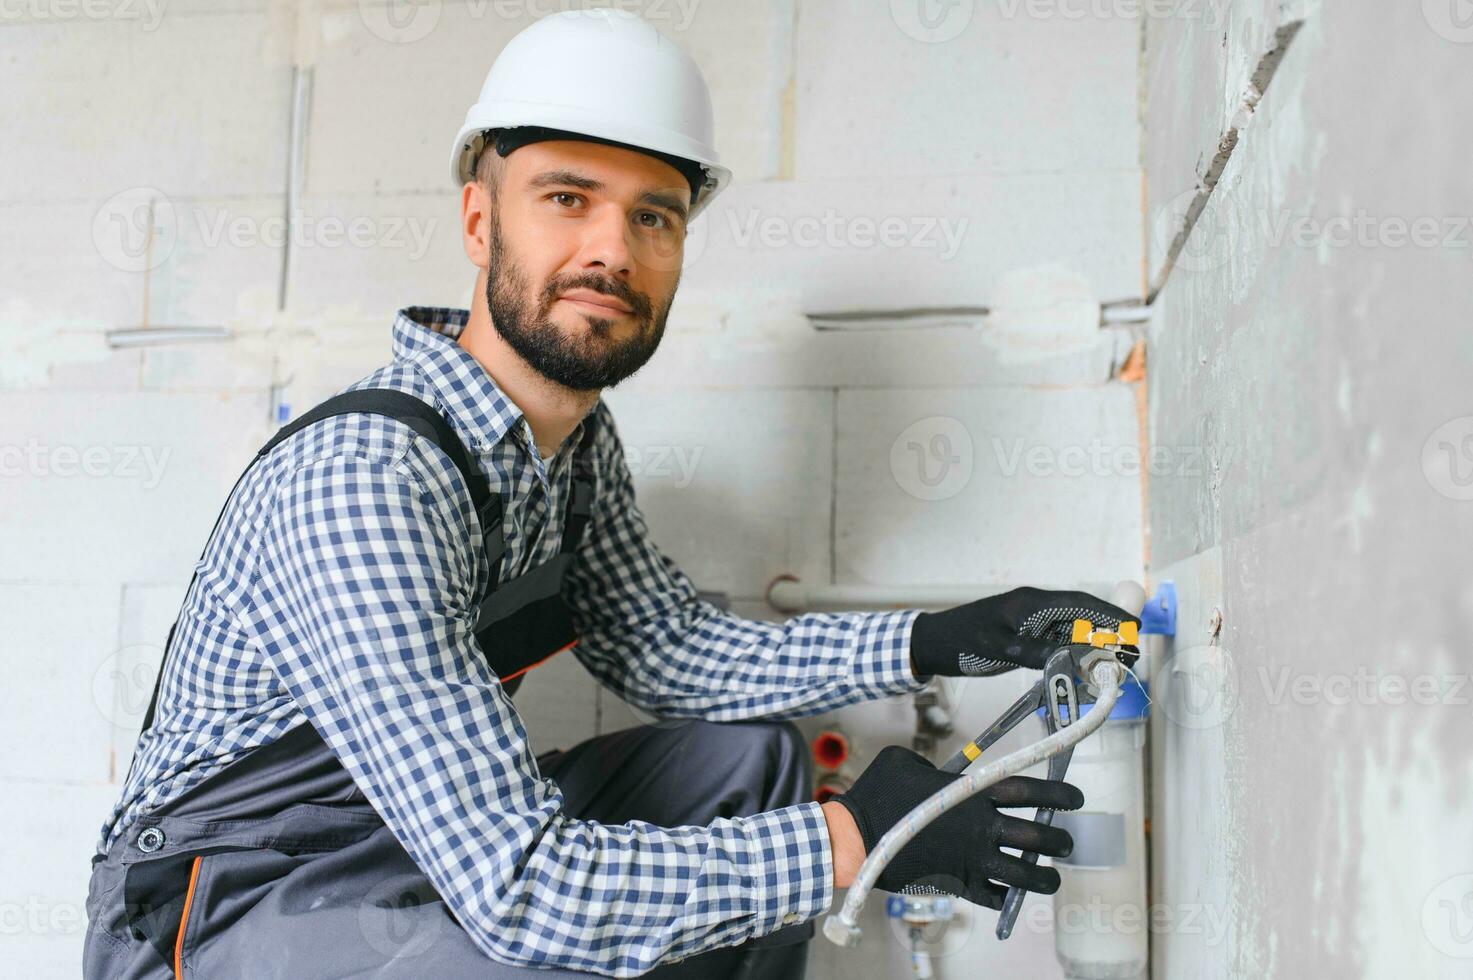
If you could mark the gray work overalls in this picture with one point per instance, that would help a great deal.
(277, 865)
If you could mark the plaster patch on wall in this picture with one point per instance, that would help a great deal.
(30, 347)
(1040, 312)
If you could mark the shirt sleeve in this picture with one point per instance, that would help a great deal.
(647, 635)
(364, 596)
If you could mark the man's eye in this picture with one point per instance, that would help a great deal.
(565, 194)
(661, 222)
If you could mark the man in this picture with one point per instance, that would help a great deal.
(335, 781)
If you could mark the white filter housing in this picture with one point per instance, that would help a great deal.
(1101, 920)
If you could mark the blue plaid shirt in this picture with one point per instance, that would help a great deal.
(341, 588)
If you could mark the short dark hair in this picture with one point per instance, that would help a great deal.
(490, 165)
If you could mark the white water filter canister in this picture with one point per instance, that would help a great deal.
(1101, 922)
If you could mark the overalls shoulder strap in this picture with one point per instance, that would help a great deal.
(411, 411)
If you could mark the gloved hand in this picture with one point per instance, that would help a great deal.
(994, 635)
(959, 852)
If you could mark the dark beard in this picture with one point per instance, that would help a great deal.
(578, 363)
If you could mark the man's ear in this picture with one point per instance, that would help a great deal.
(475, 223)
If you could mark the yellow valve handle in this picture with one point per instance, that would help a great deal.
(1084, 632)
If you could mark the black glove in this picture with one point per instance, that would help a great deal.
(959, 852)
(1016, 629)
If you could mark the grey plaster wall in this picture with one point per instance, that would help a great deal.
(1311, 378)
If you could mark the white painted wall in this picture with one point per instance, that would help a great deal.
(1001, 148)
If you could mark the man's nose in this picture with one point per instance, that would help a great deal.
(606, 243)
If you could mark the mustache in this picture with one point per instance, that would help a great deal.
(637, 302)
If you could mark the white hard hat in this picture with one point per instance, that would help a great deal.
(603, 73)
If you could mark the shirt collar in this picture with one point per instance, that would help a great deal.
(480, 412)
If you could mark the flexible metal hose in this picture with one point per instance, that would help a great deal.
(843, 928)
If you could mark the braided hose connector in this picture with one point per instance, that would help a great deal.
(843, 929)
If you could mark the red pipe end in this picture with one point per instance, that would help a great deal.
(830, 749)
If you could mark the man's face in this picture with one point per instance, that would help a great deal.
(586, 243)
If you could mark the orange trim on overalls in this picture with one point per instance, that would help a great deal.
(539, 663)
(184, 919)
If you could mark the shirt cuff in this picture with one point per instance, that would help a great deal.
(794, 871)
(882, 660)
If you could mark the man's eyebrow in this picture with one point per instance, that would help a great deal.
(566, 178)
(570, 178)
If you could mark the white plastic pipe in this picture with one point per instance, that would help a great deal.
(843, 928)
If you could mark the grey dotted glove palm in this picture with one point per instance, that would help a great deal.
(1002, 632)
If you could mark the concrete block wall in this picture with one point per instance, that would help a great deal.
(1311, 769)
(969, 187)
